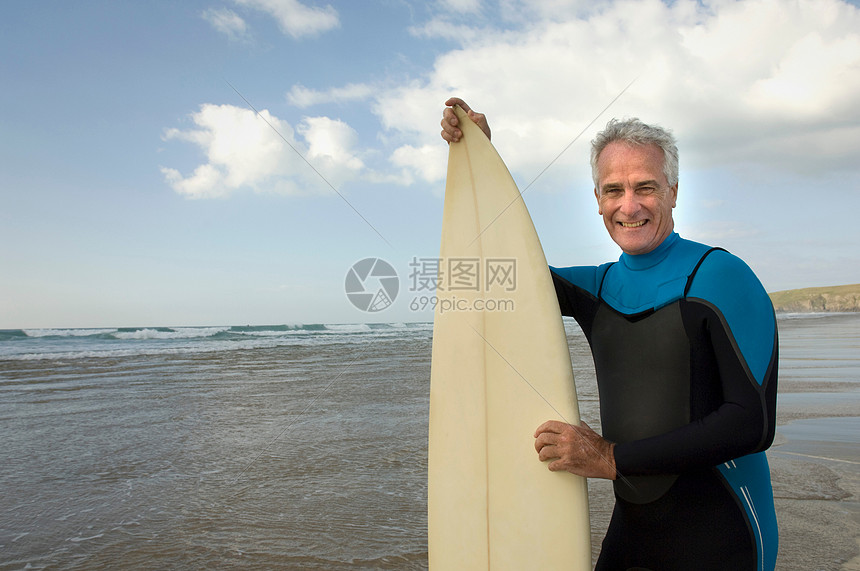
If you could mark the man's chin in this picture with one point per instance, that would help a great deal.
(635, 247)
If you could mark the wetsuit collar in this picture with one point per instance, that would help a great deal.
(652, 258)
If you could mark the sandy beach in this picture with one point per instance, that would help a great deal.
(815, 467)
(815, 459)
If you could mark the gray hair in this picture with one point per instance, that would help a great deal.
(635, 132)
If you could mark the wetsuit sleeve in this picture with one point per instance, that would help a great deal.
(577, 289)
(731, 326)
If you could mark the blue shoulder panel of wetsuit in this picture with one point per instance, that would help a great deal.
(653, 280)
(728, 284)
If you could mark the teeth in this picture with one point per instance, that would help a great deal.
(633, 224)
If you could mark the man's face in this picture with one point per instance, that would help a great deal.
(634, 196)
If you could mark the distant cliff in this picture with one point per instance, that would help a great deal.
(817, 299)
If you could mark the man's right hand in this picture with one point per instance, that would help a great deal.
(450, 132)
(576, 449)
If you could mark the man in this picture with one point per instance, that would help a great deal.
(685, 349)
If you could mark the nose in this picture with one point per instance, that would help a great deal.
(629, 204)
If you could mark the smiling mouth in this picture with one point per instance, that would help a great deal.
(633, 224)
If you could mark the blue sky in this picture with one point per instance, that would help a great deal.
(137, 188)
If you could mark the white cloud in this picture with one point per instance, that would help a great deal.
(331, 143)
(296, 19)
(443, 28)
(244, 153)
(443, 25)
(301, 96)
(460, 6)
(227, 22)
(206, 182)
(750, 80)
(804, 79)
(428, 161)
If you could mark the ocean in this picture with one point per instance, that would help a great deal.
(255, 447)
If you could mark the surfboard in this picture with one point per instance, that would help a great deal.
(500, 367)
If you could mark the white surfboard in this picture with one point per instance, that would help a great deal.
(500, 368)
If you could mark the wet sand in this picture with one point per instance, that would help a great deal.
(815, 468)
(815, 459)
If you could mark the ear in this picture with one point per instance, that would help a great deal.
(674, 191)
(597, 197)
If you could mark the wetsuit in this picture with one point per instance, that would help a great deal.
(685, 349)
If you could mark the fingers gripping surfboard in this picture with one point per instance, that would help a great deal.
(500, 367)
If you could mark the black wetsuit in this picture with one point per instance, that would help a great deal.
(685, 348)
